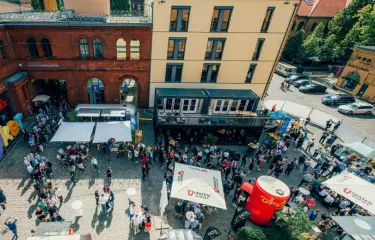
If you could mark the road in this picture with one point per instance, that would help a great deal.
(362, 124)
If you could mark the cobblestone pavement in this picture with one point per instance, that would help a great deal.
(21, 197)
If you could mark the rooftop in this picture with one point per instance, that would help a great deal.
(367, 48)
(321, 8)
(68, 17)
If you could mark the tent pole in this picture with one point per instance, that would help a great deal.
(161, 223)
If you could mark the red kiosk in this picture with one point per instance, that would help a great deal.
(266, 196)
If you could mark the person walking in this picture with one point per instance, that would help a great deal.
(109, 174)
(307, 178)
(103, 203)
(310, 144)
(289, 168)
(323, 137)
(97, 196)
(30, 170)
(337, 125)
(10, 222)
(49, 165)
(58, 194)
(244, 161)
(328, 124)
(144, 172)
(301, 161)
(72, 170)
(94, 163)
(233, 166)
(251, 164)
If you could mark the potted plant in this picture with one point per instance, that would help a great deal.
(169, 118)
(209, 139)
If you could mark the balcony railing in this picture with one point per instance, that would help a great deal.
(163, 118)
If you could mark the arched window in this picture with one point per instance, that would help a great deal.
(98, 49)
(134, 49)
(121, 49)
(351, 81)
(95, 90)
(84, 48)
(3, 54)
(129, 92)
(313, 27)
(32, 48)
(47, 50)
(300, 25)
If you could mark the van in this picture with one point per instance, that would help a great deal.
(285, 70)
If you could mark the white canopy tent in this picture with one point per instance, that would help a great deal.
(121, 131)
(353, 188)
(74, 132)
(198, 185)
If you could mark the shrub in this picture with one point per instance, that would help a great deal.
(248, 233)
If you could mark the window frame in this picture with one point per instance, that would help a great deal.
(135, 50)
(84, 47)
(47, 48)
(173, 72)
(208, 78)
(266, 23)
(98, 46)
(220, 18)
(34, 53)
(176, 48)
(119, 48)
(3, 52)
(252, 66)
(300, 25)
(258, 49)
(212, 54)
(180, 10)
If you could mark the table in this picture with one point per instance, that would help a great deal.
(303, 191)
(77, 207)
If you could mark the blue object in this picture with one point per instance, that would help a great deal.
(277, 115)
(284, 125)
(18, 118)
(95, 88)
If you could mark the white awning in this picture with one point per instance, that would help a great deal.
(121, 131)
(354, 189)
(41, 98)
(89, 113)
(198, 185)
(113, 113)
(74, 132)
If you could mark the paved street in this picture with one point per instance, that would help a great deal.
(364, 124)
(22, 199)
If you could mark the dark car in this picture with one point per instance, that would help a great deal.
(295, 77)
(313, 88)
(338, 99)
(301, 83)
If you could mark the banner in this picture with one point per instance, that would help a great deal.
(1, 147)
(110, 144)
(211, 233)
(239, 218)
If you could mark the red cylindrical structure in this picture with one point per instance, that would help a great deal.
(267, 195)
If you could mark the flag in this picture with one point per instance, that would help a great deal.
(239, 218)
(211, 233)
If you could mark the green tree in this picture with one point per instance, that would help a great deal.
(37, 5)
(248, 233)
(293, 46)
(120, 7)
(312, 44)
(295, 223)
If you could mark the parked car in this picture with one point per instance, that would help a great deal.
(302, 82)
(356, 108)
(338, 99)
(313, 88)
(295, 77)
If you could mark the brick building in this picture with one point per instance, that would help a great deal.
(94, 61)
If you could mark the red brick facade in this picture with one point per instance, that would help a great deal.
(67, 65)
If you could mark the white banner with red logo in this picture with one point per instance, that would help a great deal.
(199, 185)
(355, 189)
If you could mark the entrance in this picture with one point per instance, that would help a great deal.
(362, 90)
(55, 88)
(129, 92)
(95, 89)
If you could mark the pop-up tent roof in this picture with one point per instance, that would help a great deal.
(354, 189)
(180, 234)
(74, 132)
(198, 185)
(358, 227)
(120, 131)
(362, 149)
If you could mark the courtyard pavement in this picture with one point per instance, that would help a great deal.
(15, 182)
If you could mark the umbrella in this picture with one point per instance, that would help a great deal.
(180, 234)
(277, 115)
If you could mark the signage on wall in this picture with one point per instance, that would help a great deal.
(43, 65)
(3, 104)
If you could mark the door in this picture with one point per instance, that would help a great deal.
(168, 104)
(221, 106)
(185, 105)
(189, 105)
(362, 90)
(234, 106)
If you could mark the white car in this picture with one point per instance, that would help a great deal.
(356, 108)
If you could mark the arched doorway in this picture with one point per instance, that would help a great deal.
(129, 92)
(95, 90)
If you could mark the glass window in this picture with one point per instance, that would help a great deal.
(225, 105)
(168, 105)
(32, 48)
(267, 19)
(98, 49)
(250, 73)
(220, 19)
(47, 50)
(250, 106)
(242, 105)
(160, 103)
(176, 48)
(84, 49)
(177, 103)
(3, 54)
(258, 49)
(135, 49)
(214, 49)
(218, 105)
(179, 20)
(193, 104)
(300, 25)
(233, 106)
(313, 27)
(173, 73)
(95, 90)
(121, 49)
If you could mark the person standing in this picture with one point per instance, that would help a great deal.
(144, 172)
(337, 125)
(328, 124)
(289, 168)
(307, 121)
(323, 137)
(72, 170)
(307, 178)
(30, 170)
(94, 163)
(58, 194)
(49, 165)
(109, 174)
(301, 161)
(233, 166)
(97, 196)
(10, 222)
(251, 164)
(103, 203)
(310, 144)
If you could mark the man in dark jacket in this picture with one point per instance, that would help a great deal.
(3, 199)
